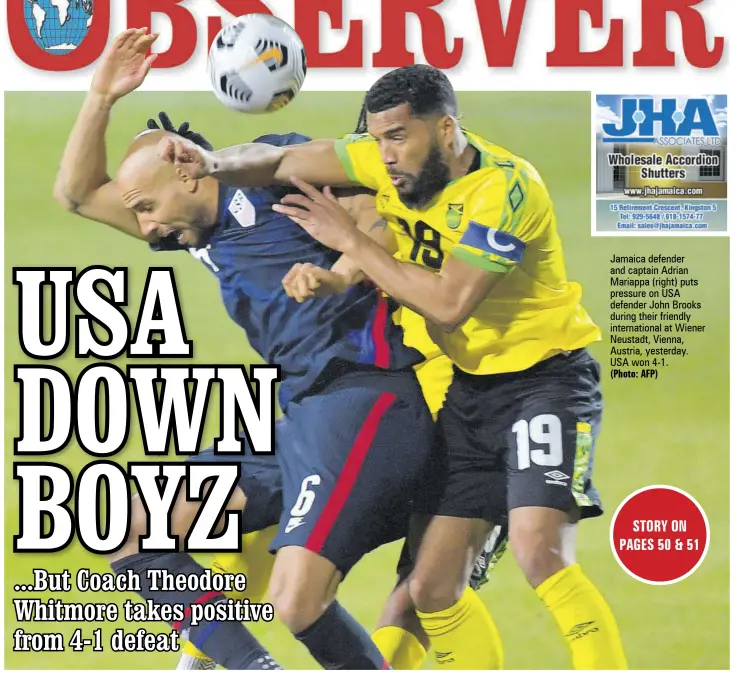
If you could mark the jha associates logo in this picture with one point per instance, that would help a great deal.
(663, 121)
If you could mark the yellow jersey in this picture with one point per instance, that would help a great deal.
(435, 372)
(500, 218)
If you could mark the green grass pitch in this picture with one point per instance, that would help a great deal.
(670, 431)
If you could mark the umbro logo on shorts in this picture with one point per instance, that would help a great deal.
(557, 478)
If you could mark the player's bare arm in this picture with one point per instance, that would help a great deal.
(83, 184)
(305, 280)
(445, 298)
(259, 164)
(362, 207)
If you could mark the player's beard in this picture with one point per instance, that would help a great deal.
(432, 178)
(199, 228)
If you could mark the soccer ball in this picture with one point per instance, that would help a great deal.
(257, 64)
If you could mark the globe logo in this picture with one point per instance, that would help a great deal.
(58, 26)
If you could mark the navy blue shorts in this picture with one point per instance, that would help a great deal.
(260, 480)
(352, 458)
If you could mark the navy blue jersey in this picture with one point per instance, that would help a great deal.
(250, 250)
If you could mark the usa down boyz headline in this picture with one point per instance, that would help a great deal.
(170, 400)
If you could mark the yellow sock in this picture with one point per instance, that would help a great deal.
(191, 650)
(400, 648)
(255, 562)
(585, 619)
(464, 636)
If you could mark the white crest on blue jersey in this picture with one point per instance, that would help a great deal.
(242, 210)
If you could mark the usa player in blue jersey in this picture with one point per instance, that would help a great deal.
(348, 391)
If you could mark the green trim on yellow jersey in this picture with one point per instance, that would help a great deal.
(478, 260)
(517, 188)
(483, 158)
(341, 149)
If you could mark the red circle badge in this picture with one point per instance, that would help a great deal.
(660, 534)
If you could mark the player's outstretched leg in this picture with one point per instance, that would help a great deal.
(228, 642)
(256, 563)
(461, 630)
(303, 588)
(400, 636)
(543, 542)
(349, 471)
(565, 392)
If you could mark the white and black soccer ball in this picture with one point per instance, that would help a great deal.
(257, 64)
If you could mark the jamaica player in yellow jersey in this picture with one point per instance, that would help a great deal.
(481, 260)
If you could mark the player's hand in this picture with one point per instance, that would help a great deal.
(320, 214)
(305, 280)
(124, 65)
(194, 161)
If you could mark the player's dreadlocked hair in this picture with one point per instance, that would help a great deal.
(427, 90)
(361, 126)
(184, 131)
